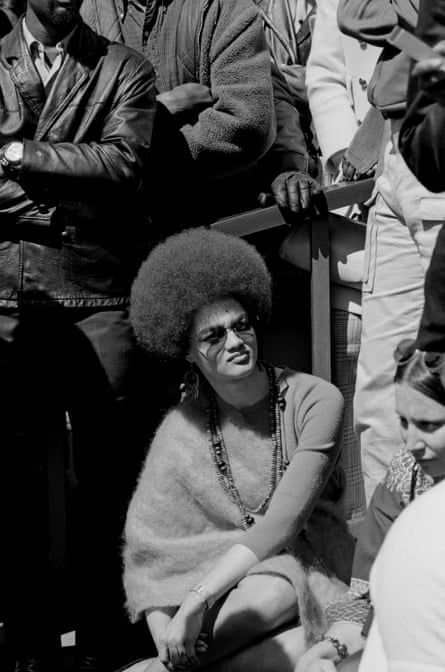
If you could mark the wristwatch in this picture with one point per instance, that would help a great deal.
(11, 156)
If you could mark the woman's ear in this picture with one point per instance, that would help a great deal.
(189, 357)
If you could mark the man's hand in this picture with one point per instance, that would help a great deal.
(293, 191)
(190, 97)
(431, 74)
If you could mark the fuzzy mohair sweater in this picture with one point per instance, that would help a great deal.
(180, 520)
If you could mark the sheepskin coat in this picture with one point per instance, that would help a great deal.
(217, 43)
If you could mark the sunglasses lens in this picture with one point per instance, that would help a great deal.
(404, 351)
(433, 360)
(242, 327)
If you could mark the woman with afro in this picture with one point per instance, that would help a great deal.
(234, 539)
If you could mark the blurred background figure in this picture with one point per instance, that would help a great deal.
(408, 592)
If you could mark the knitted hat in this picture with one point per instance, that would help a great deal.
(187, 272)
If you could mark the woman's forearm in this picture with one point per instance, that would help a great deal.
(225, 574)
(157, 622)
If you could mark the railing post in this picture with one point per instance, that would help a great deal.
(320, 296)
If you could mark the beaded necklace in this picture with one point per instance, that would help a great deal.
(221, 458)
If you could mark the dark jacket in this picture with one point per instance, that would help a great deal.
(422, 145)
(72, 227)
(423, 131)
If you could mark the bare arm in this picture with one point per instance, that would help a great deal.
(181, 637)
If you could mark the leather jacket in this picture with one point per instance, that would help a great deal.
(73, 225)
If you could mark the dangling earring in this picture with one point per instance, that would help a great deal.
(190, 384)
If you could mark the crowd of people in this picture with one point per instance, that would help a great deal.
(227, 532)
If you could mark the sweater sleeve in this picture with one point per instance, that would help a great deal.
(318, 413)
(239, 128)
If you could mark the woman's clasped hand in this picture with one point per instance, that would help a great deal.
(183, 641)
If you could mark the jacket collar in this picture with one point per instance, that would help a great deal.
(22, 70)
(81, 57)
(83, 41)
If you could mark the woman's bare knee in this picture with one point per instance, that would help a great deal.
(277, 653)
(258, 605)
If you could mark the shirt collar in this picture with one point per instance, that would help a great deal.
(30, 39)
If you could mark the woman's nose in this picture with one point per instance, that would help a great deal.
(232, 339)
(415, 445)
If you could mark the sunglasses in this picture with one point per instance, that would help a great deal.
(406, 351)
(217, 336)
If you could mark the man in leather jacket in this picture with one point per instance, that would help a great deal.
(76, 116)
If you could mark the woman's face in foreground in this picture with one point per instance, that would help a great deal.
(223, 342)
(422, 425)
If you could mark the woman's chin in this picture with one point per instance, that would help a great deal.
(434, 467)
(240, 368)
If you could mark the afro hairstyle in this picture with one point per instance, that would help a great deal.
(188, 271)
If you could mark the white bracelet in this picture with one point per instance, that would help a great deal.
(205, 594)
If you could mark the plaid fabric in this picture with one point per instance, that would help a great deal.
(119, 20)
(132, 24)
(159, 41)
(108, 15)
(346, 331)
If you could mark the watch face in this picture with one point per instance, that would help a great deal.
(14, 152)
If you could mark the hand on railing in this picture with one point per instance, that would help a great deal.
(293, 192)
(330, 198)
